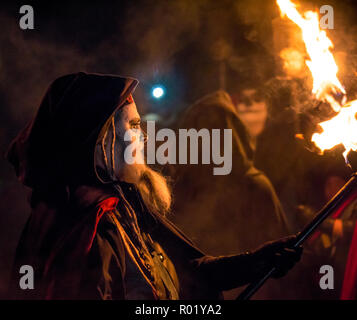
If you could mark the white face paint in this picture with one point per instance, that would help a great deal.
(132, 139)
(129, 118)
(254, 114)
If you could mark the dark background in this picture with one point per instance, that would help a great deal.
(176, 43)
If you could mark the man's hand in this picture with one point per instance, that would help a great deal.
(280, 254)
(228, 272)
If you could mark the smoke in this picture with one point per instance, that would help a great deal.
(168, 28)
(28, 66)
(144, 39)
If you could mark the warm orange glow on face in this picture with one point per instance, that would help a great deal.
(341, 129)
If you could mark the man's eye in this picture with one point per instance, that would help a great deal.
(135, 126)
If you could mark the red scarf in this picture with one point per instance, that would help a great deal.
(349, 288)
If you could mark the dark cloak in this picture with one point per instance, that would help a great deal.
(69, 239)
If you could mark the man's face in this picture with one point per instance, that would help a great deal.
(151, 184)
(252, 109)
(129, 132)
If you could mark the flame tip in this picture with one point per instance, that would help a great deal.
(340, 129)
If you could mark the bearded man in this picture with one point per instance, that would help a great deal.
(97, 229)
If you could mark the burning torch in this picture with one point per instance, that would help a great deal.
(340, 129)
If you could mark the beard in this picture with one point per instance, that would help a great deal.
(153, 187)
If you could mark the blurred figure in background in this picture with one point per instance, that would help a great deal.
(245, 197)
(229, 212)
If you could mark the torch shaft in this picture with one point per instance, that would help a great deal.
(330, 207)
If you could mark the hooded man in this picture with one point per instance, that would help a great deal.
(241, 209)
(97, 228)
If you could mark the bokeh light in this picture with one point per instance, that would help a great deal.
(158, 92)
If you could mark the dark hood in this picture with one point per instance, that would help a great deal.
(216, 111)
(57, 147)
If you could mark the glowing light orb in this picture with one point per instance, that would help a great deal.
(158, 92)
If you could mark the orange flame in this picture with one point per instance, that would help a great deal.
(341, 129)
